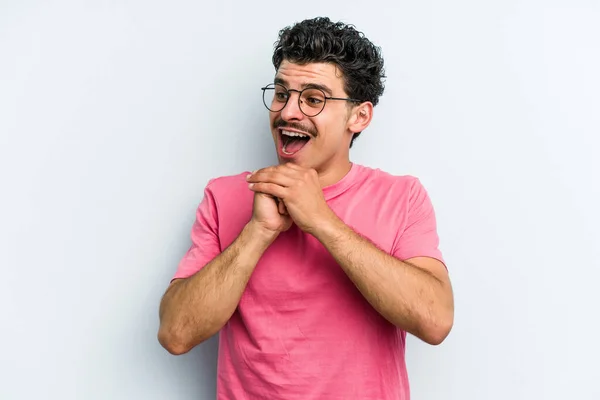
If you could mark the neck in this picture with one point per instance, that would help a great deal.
(331, 174)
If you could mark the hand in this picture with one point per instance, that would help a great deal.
(269, 214)
(300, 191)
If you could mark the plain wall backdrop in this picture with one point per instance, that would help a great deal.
(115, 114)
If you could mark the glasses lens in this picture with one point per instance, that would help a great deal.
(312, 102)
(275, 97)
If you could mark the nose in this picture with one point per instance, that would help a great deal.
(292, 111)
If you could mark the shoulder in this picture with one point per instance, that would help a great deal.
(228, 182)
(397, 184)
(231, 202)
(401, 195)
(229, 188)
(394, 193)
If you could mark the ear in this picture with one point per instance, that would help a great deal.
(360, 117)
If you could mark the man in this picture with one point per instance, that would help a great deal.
(312, 270)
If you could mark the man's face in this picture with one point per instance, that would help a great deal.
(328, 134)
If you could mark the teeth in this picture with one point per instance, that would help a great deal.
(288, 133)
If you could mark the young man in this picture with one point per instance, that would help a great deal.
(312, 270)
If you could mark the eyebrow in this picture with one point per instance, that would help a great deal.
(307, 85)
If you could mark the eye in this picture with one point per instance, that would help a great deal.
(313, 98)
(314, 101)
(281, 96)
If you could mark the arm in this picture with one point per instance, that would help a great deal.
(414, 295)
(195, 308)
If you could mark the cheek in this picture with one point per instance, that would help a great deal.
(331, 132)
(272, 117)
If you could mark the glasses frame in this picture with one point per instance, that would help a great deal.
(274, 85)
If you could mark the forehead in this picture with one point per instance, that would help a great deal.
(300, 75)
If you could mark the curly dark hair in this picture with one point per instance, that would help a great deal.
(321, 40)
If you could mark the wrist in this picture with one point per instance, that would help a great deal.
(259, 234)
(327, 228)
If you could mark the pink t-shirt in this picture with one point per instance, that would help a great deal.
(302, 330)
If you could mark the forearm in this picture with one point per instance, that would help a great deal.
(196, 308)
(407, 296)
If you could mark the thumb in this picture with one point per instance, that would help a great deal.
(281, 207)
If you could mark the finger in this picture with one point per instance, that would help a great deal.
(280, 178)
(265, 169)
(260, 170)
(285, 168)
(282, 208)
(293, 166)
(269, 188)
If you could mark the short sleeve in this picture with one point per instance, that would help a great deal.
(205, 239)
(419, 237)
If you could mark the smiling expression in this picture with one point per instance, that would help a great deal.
(318, 142)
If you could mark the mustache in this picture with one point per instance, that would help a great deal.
(279, 123)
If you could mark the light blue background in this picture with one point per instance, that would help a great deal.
(114, 115)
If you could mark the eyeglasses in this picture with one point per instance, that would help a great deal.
(310, 100)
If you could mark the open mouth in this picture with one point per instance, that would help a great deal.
(292, 142)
